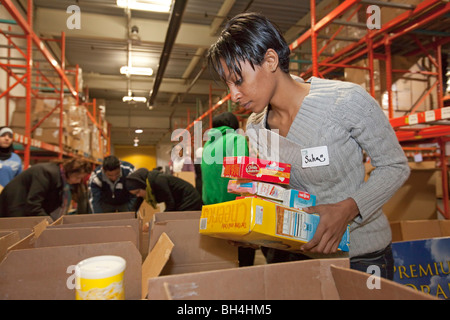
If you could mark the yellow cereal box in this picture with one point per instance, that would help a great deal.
(261, 222)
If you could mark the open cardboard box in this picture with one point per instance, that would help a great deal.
(39, 266)
(24, 225)
(192, 252)
(99, 220)
(317, 279)
(421, 250)
(419, 229)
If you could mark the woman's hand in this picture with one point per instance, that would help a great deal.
(334, 219)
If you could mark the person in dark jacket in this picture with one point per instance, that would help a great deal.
(43, 189)
(156, 187)
(107, 190)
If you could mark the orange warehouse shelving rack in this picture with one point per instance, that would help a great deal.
(32, 72)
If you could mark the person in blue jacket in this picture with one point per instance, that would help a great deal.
(107, 189)
(10, 162)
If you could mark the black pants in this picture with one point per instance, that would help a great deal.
(381, 262)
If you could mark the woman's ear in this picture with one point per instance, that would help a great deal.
(271, 60)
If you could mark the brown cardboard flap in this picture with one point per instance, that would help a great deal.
(445, 227)
(22, 222)
(7, 239)
(146, 212)
(75, 236)
(40, 227)
(155, 261)
(134, 223)
(309, 280)
(176, 215)
(42, 273)
(353, 285)
(79, 218)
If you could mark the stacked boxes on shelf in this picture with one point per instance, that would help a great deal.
(267, 213)
(80, 135)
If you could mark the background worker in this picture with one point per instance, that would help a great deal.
(10, 162)
(223, 141)
(156, 187)
(43, 189)
(107, 188)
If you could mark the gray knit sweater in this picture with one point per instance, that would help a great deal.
(343, 117)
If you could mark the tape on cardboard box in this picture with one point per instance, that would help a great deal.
(262, 222)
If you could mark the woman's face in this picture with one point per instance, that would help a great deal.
(253, 89)
(138, 192)
(6, 140)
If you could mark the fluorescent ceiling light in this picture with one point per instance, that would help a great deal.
(146, 5)
(134, 99)
(138, 71)
(138, 131)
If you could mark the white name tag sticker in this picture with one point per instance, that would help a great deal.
(315, 157)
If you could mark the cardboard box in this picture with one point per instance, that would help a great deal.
(192, 251)
(261, 222)
(256, 169)
(353, 285)
(7, 239)
(416, 198)
(48, 135)
(41, 266)
(188, 176)
(419, 229)
(24, 225)
(318, 279)
(312, 281)
(101, 220)
(43, 273)
(421, 250)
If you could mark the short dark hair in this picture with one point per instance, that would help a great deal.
(111, 163)
(247, 37)
(225, 119)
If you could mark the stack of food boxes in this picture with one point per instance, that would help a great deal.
(267, 213)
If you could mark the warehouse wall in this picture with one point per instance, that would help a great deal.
(140, 157)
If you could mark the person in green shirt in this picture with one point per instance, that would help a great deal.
(224, 141)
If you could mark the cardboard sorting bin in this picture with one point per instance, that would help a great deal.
(24, 225)
(421, 250)
(47, 273)
(192, 252)
(41, 265)
(317, 279)
(98, 220)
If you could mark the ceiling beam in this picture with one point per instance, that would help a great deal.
(114, 28)
(119, 83)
